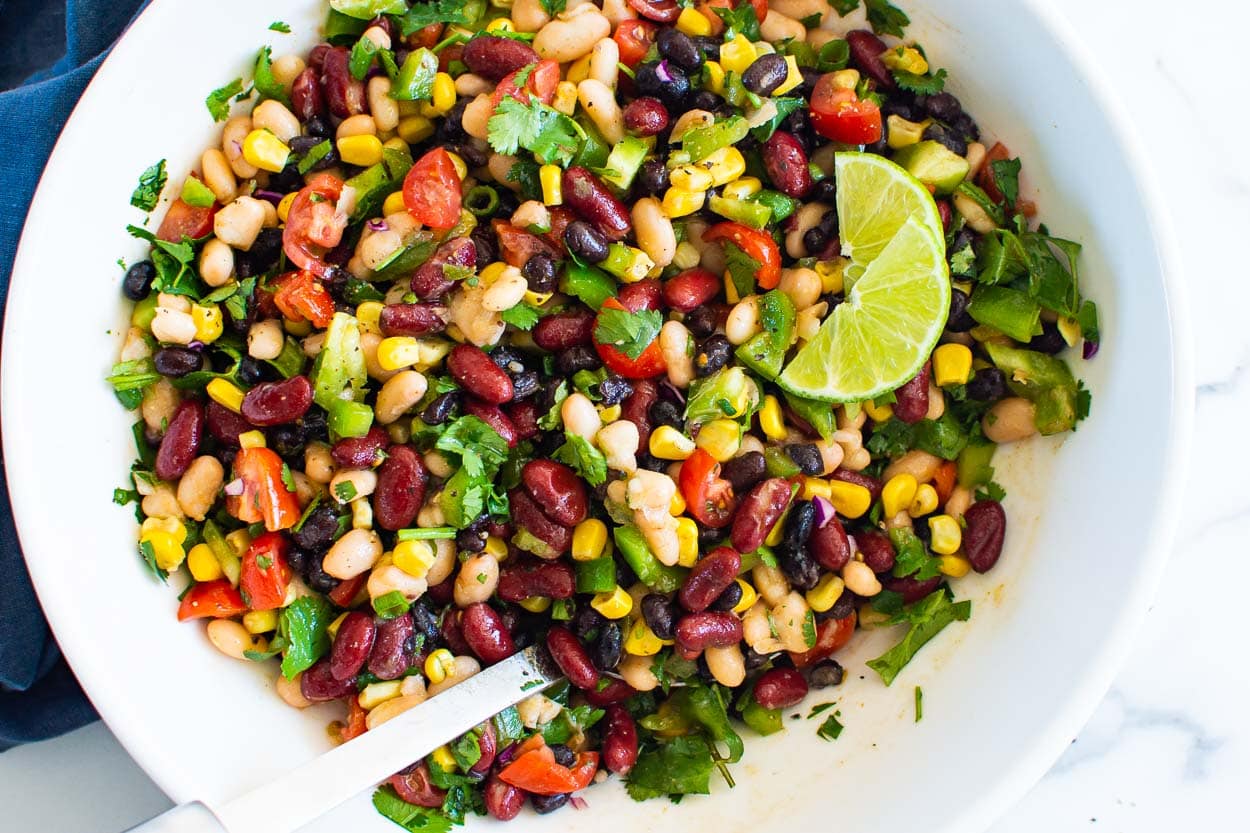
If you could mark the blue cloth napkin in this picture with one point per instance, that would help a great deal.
(39, 697)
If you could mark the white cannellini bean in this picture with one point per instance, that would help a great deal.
(135, 346)
(387, 578)
(770, 583)
(286, 68)
(231, 638)
(173, 327)
(536, 710)
(727, 665)
(465, 667)
(743, 321)
(158, 405)
(790, 616)
(238, 223)
(919, 464)
(567, 40)
(806, 219)
(615, 11)
(276, 118)
(471, 86)
(377, 247)
(531, 213)
(677, 347)
(289, 691)
(604, 60)
(506, 292)
(528, 16)
(860, 579)
(778, 27)
(401, 392)
(357, 551)
(802, 285)
(216, 263)
(636, 671)
(476, 114)
(350, 484)
(385, 110)
(599, 102)
(689, 120)
(318, 463)
(579, 416)
(619, 444)
(437, 465)
(477, 579)
(198, 487)
(654, 230)
(265, 339)
(218, 175)
(232, 136)
(394, 708)
(500, 165)
(444, 561)
(161, 502)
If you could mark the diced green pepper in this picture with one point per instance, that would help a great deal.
(753, 214)
(727, 393)
(702, 142)
(819, 415)
(347, 418)
(1002, 258)
(779, 204)
(973, 466)
(595, 150)
(222, 551)
(375, 183)
(588, 284)
(415, 81)
(633, 548)
(779, 464)
(762, 720)
(1005, 309)
(765, 352)
(1044, 380)
(143, 313)
(595, 576)
(624, 161)
(340, 364)
(626, 262)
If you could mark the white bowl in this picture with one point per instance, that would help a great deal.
(1090, 517)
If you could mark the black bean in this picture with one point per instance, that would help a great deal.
(586, 241)
(318, 128)
(318, 579)
(525, 384)
(959, 321)
(744, 471)
(425, 621)
(709, 537)
(815, 240)
(988, 384)
(844, 606)
(807, 457)
(799, 566)
(729, 598)
(318, 530)
(508, 360)
(544, 804)
(297, 560)
(252, 371)
(709, 46)
(437, 412)
(287, 440)
(943, 106)
(660, 614)
(287, 180)
(701, 322)
(586, 623)
(714, 353)
(765, 74)
(753, 659)
(614, 390)
(825, 191)
(706, 100)
(649, 462)
(664, 412)
(948, 138)
(898, 107)
(964, 126)
(177, 361)
(138, 280)
(672, 92)
(563, 754)
(487, 245)
(540, 273)
(577, 358)
(315, 425)
(800, 521)
(653, 178)
(471, 540)
(1050, 341)
(450, 129)
(677, 47)
(608, 650)
(825, 674)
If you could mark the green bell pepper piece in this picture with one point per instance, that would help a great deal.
(765, 352)
(590, 285)
(702, 142)
(347, 418)
(1005, 309)
(222, 551)
(762, 720)
(375, 183)
(595, 576)
(819, 415)
(633, 548)
(779, 464)
(1044, 380)
(778, 203)
(415, 81)
(625, 160)
(973, 466)
(143, 313)
(340, 364)
(753, 214)
(595, 150)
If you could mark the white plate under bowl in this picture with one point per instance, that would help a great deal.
(1090, 518)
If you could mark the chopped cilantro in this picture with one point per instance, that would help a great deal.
(886, 18)
(409, 816)
(218, 101)
(148, 192)
(742, 269)
(149, 557)
(551, 136)
(584, 458)
(315, 154)
(843, 7)
(362, 56)
(679, 766)
(302, 626)
(911, 557)
(831, 729)
(629, 332)
(920, 84)
(964, 261)
(522, 316)
(991, 491)
(919, 703)
(785, 106)
(819, 709)
(279, 26)
(740, 21)
(130, 379)
(123, 497)
(553, 7)
(345, 491)
(425, 14)
(262, 78)
(525, 172)
(926, 618)
(1006, 173)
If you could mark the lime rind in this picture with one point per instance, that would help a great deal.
(875, 197)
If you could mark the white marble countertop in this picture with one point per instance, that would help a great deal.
(1169, 748)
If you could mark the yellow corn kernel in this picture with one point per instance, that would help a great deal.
(1070, 329)
(396, 144)
(613, 605)
(725, 165)
(208, 323)
(252, 439)
(610, 415)
(173, 526)
(413, 557)
(945, 535)
(776, 533)
(901, 133)
(772, 421)
(363, 150)
(878, 413)
(794, 77)
(831, 273)
(954, 566)
(500, 24)
(641, 641)
(826, 592)
(678, 202)
(265, 151)
(690, 177)
(638, 264)
(737, 55)
(457, 162)
(496, 547)
(413, 129)
(260, 621)
(398, 352)
(687, 256)
(203, 565)
(299, 329)
(549, 177)
(394, 204)
(952, 365)
(748, 596)
(566, 98)
(408, 107)
(846, 79)
(677, 505)
(814, 487)
(687, 542)
(535, 604)
(443, 96)
(898, 493)
(362, 514)
(714, 77)
(492, 272)
(668, 443)
(579, 70)
(333, 628)
(367, 315)
(537, 299)
(742, 188)
(906, 58)
(693, 23)
(589, 538)
(167, 549)
(440, 665)
(721, 438)
(375, 694)
(925, 501)
(443, 758)
(284, 205)
(851, 500)
(225, 394)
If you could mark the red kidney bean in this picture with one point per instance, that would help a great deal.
(306, 98)
(317, 56)
(319, 685)
(485, 633)
(872, 484)
(780, 688)
(494, 57)
(911, 401)
(525, 577)
(786, 164)
(646, 116)
(572, 658)
(401, 488)
(877, 550)
(443, 592)
(564, 330)
(500, 529)
(429, 282)
(524, 416)
(449, 630)
(492, 416)
(591, 200)
(637, 408)
(414, 786)
(488, 746)
(691, 289)
(709, 629)
(392, 648)
(644, 294)
(661, 11)
(986, 526)
(181, 441)
(708, 578)
(530, 515)
(278, 403)
(944, 211)
(412, 319)
(829, 545)
(360, 452)
(557, 490)
(503, 801)
(620, 740)
(909, 588)
(344, 94)
(225, 425)
(616, 691)
(866, 52)
(758, 512)
(352, 645)
(476, 373)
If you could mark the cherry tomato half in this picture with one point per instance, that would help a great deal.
(265, 575)
(314, 225)
(839, 115)
(633, 38)
(709, 497)
(182, 220)
(300, 297)
(537, 772)
(650, 362)
(264, 496)
(432, 190)
(831, 635)
(540, 81)
(757, 245)
(215, 599)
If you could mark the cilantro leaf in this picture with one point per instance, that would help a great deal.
(149, 557)
(218, 101)
(890, 439)
(522, 316)
(553, 7)
(131, 379)
(680, 766)
(920, 84)
(964, 261)
(279, 26)
(409, 816)
(742, 269)
(551, 419)
(927, 618)
(831, 729)
(479, 445)
(584, 458)
(741, 20)
(148, 192)
(303, 625)
(314, 155)
(551, 136)
(263, 80)
(843, 7)
(886, 18)
(991, 491)
(911, 558)
(424, 14)
(785, 106)
(174, 273)
(1006, 173)
(368, 9)
(361, 59)
(525, 172)
(629, 332)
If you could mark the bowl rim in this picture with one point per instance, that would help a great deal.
(1063, 724)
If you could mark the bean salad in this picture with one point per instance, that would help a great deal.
(486, 326)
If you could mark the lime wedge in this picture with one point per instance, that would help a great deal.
(880, 336)
(875, 198)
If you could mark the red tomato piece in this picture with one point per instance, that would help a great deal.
(757, 245)
(649, 363)
(633, 38)
(831, 635)
(346, 590)
(182, 220)
(838, 114)
(264, 496)
(314, 225)
(537, 772)
(356, 725)
(517, 245)
(761, 9)
(709, 497)
(944, 481)
(540, 81)
(265, 574)
(301, 297)
(708, 10)
(211, 599)
(432, 190)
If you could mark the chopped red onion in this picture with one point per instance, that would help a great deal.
(197, 345)
(661, 72)
(824, 511)
(268, 196)
(577, 802)
(1089, 350)
(509, 752)
(674, 391)
(378, 225)
(234, 488)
